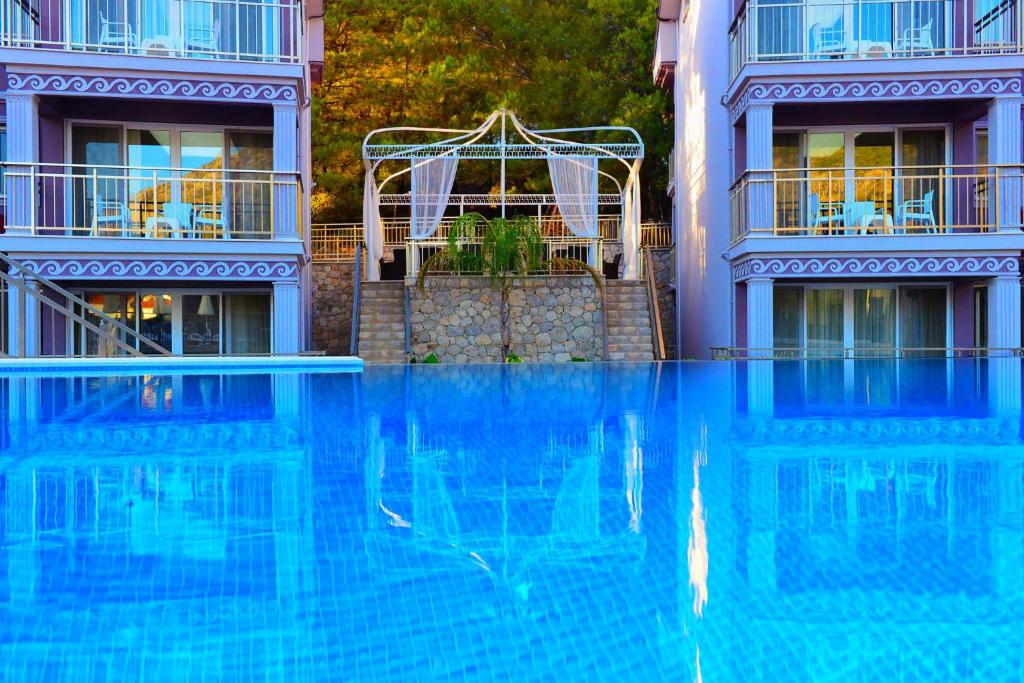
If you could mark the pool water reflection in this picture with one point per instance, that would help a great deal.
(787, 521)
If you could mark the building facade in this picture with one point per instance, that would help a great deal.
(157, 167)
(847, 175)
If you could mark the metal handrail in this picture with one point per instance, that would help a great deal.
(859, 353)
(353, 343)
(14, 268)
(654, 310)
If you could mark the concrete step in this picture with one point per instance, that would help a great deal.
(382, 322)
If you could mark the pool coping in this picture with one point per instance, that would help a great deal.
(181, 364)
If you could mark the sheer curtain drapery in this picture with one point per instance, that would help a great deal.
(432, 181)
(574, 180)
(373, 233)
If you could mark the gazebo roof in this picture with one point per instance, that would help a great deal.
(535, 144)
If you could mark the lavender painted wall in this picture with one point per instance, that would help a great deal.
(963, 315)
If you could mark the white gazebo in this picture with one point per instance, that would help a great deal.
(575, 167)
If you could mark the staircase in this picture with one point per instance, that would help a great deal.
(629, 321)
(382, 322)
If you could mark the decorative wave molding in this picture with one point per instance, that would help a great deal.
(888, 265)
(163, 269)
(150, 87)
(875, 90)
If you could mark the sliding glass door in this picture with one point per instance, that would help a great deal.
(99, 203)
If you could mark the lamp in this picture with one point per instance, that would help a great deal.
(206, 306)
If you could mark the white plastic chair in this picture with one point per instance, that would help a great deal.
(917, 40)
(920, 211)
(209, 219)
(116, 34)
(110, 213)
(824, 215)
(202, 37)
(828, 41)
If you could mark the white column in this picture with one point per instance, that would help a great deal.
(286, 160)
(1004, 136)
(23, 320)
(760, 329)
(760, 199)
(22, 148)
(1004, 312)
(286, 317)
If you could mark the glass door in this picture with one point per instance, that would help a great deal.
(790, 186)
(826, 159)
(156, 320)
(249, 199)
(98, 198)
(152, 192)
(919, 197)
(201, 324)
(874, 322)
(825, 322)
(202, 183)
(923, 320)
(873, 160)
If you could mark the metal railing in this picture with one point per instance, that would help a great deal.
(233, 30)
(589, 250)
(894, 200)
(338, 241)
(653, 305)
(657, 235)
(74, 200)
(859, 353)
(805, 30)
(62, 322)
(356, 300)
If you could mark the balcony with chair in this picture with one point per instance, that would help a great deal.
(228, 30)
(831, 31)
(892, 201)
(148, 203)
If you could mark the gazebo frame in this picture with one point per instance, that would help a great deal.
(532, 144)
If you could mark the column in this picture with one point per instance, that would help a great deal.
(23, 319)
(286, 317)
(1004, 135)
(760, 195)
(1004, 312)
(286, 160)
(22, 153)
(760, 328)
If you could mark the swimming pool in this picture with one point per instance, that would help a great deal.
(796, 521)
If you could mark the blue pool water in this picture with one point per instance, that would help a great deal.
(798, 522)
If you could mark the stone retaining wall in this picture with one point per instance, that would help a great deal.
(664, 264)
(333, 289)
(552, 319)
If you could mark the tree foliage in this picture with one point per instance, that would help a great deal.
(450, 63)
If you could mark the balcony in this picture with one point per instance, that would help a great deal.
(69, 200)
(881, 201)
(817, 30)
(231, 30)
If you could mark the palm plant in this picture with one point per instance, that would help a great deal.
(502, 250)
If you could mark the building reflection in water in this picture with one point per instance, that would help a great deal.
(743, 521)
(882, 501)
(149, 518)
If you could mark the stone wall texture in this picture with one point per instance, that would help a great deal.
(333, 289)
(552, 319)
(664, 263)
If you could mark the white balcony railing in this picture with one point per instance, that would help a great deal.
(236, 30)
(890, 201)
(805, 30)
(151, 203)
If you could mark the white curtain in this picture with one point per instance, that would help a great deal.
(631, 225)
(432, 181)
(574, 180)
(373, 232)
